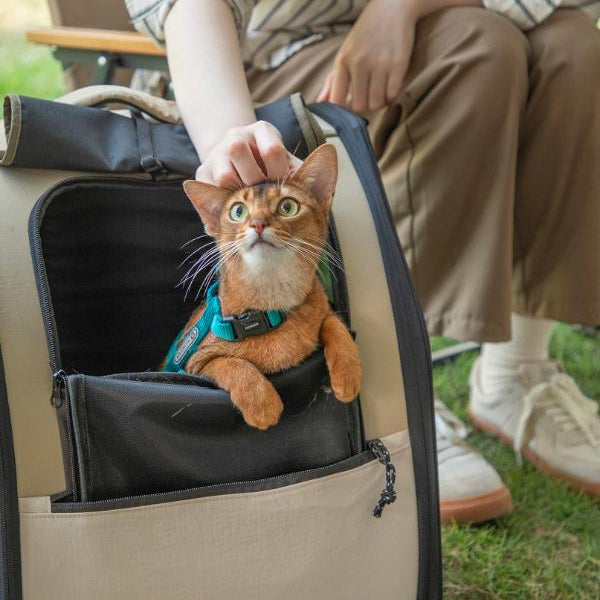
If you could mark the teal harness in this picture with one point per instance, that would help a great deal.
(232, 328)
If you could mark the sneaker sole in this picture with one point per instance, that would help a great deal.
(476, 509)
(581, 485)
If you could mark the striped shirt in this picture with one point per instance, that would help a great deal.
(273, 30)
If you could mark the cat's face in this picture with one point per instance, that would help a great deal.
(272, 227)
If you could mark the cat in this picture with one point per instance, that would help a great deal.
(270, 238)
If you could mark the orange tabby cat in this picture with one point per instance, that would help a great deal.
(270, 238)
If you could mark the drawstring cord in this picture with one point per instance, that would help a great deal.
(388, 494)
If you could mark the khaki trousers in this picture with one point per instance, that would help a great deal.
(491, 161)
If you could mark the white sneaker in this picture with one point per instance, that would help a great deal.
(471, 490)
(544, 416)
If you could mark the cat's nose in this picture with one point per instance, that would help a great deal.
(259, 224)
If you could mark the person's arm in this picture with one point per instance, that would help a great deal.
(212, 95)
(370, 65)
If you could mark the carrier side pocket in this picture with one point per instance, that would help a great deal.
(298, 537)
(154, 432)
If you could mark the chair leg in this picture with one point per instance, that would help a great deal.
(105, 68)
(448, 354)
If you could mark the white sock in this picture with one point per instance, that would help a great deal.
(499, 362)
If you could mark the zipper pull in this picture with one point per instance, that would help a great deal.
(388, 494)
(59, 388)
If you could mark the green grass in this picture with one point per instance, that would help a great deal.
(28, 69)
(549, 547)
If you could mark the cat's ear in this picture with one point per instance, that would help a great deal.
(318, 174)
(208, 200)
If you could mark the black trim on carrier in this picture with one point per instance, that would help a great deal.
(410, 328)
(10, 545)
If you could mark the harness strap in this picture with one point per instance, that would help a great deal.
(232, 328)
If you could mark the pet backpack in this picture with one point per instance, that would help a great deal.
(148, 485)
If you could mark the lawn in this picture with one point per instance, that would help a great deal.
(549, 548)
(25, 68)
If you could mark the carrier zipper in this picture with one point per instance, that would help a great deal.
(59, 388)
(60, 401)
(355, 461)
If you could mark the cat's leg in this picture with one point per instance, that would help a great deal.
(249, 389)
(342, 358)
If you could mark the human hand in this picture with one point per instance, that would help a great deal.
(246, 156)
(370, 65)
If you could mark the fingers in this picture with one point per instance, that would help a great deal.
(377, 97)
(222, 174)
(326, 91)
(395, 81)
(400, 66)
(271, 150)
(340, 85)
(359, 87)
(247, 156)
(242, 158)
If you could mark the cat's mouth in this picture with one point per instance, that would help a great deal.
(264, 240)
(260, 242)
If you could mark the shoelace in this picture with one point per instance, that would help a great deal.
(565, 403)
(447, 424)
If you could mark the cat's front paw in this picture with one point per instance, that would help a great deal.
(345, 382)
(344, 371)
(260, 404)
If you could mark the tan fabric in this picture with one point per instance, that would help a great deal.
(315, 540)
(382, 392)
(24, 350)
(490, 160)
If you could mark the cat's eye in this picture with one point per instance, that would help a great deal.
(288, 207)
(238, 212)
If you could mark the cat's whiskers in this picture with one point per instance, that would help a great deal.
(298, 255)
(193, 240)
(200, 248)
(202, 261)
(326, 249)
(202, 235)
(189, 256)
(299, 251)
(231, 255)
(317, 254)
(207, 277)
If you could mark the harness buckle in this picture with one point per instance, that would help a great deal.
(252, 322)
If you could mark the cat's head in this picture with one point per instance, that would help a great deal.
(271, 226)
